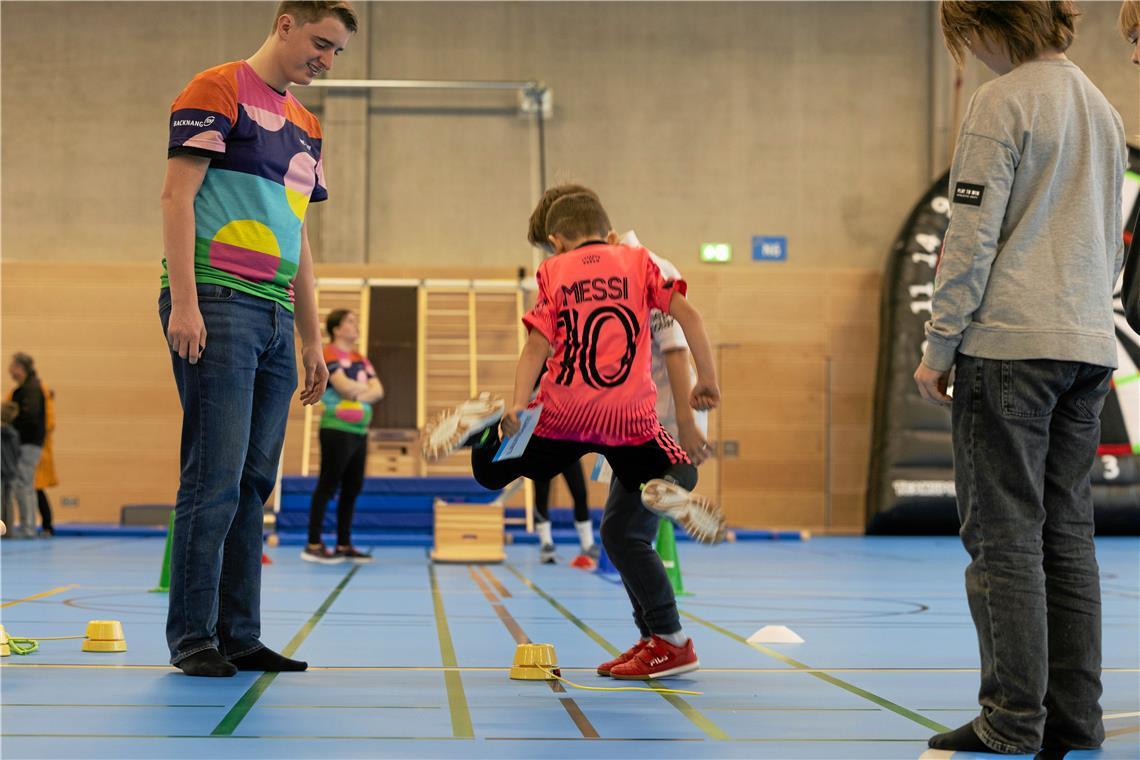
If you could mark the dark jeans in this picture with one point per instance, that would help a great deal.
(1025, 437)
(576, 482)
(343, 456)
(235, 403)
(628, 530)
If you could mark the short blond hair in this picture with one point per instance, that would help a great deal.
(1129, 17)
(1024, 29)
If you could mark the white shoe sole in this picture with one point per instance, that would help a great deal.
(697, 516)
(451, 431)
(680, 669)
(322, 560)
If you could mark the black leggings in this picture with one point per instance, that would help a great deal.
(659, 457)
(576, 482)
(343, 456)
(45, 510)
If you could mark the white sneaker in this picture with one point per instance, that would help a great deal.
(699, 517)
(454, 429)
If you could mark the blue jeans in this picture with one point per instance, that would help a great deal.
(1025, 438)
(24, 488)
(235, 403)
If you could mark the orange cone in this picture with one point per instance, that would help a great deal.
(583, 562)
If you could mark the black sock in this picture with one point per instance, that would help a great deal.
(268, 660)
(962, 739)
(1051, 753)
(208, 662)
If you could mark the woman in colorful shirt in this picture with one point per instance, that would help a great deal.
(353, 388)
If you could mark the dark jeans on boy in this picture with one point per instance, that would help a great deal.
(628, 531)
(628, 528)
(343, 459)
(1025, 438)
(235, 403)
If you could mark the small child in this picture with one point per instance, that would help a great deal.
(576, 484)
(628, 529)
(591, 327)
(9, 460)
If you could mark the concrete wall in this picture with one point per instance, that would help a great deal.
(695, 121)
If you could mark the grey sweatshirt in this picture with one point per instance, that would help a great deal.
(1035, 242)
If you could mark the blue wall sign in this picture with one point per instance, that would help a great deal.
(768, 248)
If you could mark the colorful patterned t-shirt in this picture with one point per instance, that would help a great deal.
(265, 168)
(341, 413)
(593, 307)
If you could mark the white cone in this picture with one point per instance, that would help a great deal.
(775, 634)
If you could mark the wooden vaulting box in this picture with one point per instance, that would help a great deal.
(468, 532)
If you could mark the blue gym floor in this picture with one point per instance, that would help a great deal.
(410, 659)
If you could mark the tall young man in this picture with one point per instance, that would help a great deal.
(244, 162)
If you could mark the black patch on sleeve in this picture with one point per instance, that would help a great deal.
(970, 195)
(185, 150)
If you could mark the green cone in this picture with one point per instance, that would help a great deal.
(164, 578)
(667, 550)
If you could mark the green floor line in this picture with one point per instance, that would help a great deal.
(37, 704)
(880, 701)
(461, 726)
(275, 737)
(712, 730)
(237, 713)
(1125, 379)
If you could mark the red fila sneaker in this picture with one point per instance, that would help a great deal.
(605, 668)
(658, 659)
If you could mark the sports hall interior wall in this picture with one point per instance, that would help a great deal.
(696, 122)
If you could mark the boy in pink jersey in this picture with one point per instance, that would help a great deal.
(590, 326)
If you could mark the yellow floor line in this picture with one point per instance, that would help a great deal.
(32, 598)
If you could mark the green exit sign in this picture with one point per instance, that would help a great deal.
(716, 253)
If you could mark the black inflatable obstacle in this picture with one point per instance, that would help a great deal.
(911, 477)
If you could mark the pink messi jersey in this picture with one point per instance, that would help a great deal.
(593, 306)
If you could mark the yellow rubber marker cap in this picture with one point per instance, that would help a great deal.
(105, 636)
(5, 650)
(529, 658)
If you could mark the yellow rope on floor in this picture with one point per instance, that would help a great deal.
(654, 689)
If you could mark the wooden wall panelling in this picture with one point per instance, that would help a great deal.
(97, 342)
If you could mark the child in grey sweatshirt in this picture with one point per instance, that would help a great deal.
(1022, 310)
(1035, 242)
